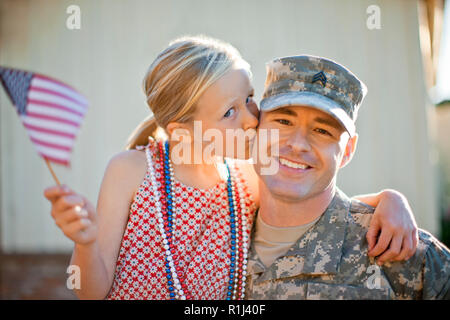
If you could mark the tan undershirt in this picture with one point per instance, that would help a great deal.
(271, 242)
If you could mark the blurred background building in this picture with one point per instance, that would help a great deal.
(399, 48)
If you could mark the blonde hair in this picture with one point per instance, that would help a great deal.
(178, 77)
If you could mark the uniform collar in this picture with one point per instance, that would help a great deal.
(317, 252)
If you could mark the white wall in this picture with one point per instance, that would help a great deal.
(106, 60)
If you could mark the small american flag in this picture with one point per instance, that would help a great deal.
(50, 110)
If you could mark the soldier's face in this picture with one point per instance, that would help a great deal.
(312, 147)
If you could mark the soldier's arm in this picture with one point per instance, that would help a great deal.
(436, 271)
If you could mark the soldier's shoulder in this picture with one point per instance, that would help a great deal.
(360, 215)
(359, 207)
(431, 244)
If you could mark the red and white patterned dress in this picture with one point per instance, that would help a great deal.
(200, 237)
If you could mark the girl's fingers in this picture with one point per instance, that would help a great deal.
(415, 240)
(407, 247)
(68, 201)
(382, 243)
(372, 235)
(73, 228)
(70, 215)
(394, 250)
(54, 192)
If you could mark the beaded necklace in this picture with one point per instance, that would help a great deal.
(165, 215)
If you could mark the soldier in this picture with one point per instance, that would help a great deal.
(309, 237)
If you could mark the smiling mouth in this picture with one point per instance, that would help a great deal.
(294, 165)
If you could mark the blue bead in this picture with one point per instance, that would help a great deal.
(233, 236)
(167, 265)
(169, 283)
(230, 282)
(233, 253)
(233, 242)
(172, 294)
(232, 270)
(233, 231)
(170, 288)
(169, 276)
(230, 288)
(232, 265)
(232, 259)
(232, 220)
(233, 248)
(231, 275)
(229, 293)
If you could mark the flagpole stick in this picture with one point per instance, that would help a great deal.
(52, 172)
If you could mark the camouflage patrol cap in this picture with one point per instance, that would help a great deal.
(315, 82)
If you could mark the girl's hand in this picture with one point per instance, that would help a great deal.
(73, 214)
(393, 217)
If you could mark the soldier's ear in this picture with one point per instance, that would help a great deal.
(350, 149)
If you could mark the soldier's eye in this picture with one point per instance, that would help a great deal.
(323, 131)
(283, 122)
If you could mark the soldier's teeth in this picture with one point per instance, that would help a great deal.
(291, 164)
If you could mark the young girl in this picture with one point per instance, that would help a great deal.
(170, 229)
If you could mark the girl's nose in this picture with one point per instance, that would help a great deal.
(250, 118)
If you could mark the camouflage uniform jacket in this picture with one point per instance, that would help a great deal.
(330, 261)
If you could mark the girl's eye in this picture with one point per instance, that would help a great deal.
(323, 131)
(229, 113)
(249, 98)
(283, 122)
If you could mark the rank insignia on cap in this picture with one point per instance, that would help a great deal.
(320, 76)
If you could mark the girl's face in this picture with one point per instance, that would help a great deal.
(226, 117)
